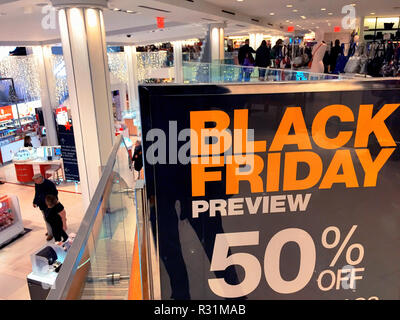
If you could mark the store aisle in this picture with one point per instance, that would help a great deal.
(15, 262)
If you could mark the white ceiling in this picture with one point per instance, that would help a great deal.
(20, 20)
(310, 9)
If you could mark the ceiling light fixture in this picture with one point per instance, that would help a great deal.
(303, 17)
(289, 6)
(330, 13)
(272, 14)
(353, 4)
(323, 9)
(372, 13)
(116, 9)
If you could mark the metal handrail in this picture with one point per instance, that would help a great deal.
(72, 260)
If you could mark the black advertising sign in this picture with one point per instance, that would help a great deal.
(67, 142)
(287, 191)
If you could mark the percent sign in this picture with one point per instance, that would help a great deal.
(336, 241)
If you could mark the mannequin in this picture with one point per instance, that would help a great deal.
(318, 55)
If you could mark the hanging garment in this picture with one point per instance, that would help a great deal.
(341, 61)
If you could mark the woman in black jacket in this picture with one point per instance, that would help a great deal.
(262, 59)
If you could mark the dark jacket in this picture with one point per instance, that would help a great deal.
(242, 52)
(41, 191)
(335, 51)
(263, 57)
(138, 158)
(276, 52)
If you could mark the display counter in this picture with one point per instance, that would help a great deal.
(44, 158)
(11, 146)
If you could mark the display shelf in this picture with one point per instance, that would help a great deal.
(10, 218)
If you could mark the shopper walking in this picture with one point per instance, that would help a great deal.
(276, 53)
(43, 187)
(248, 66)
(54, 213)
(138, 157)
(333, 57)
(263, 61)
(245, 49)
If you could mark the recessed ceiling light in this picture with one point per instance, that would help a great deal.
(272, 14)
(353, 4)
(323, 9)
(330, 13)
(239, 0)
(295, 10)
(289, 6)
(372, 13)
(303, 17)
(129, 11)
(287, 20)
(116, 9)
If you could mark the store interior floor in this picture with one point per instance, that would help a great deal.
(15, 263)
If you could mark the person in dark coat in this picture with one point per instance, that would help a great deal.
(335, 51)
(276, 52)
(263, 61)
(138, 158)
(245, 49)
(43, 187)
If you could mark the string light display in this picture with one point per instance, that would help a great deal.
(60, 76)
(23, 69)
(148, 61)
(118, 66)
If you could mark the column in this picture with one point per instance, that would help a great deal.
(47, 91)
(85, 53)
(133, 83)
(216, 32)
(178, 63)
(362, 26)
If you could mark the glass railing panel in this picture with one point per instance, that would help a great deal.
(99, 263)
(111, 259)
(226, 73)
